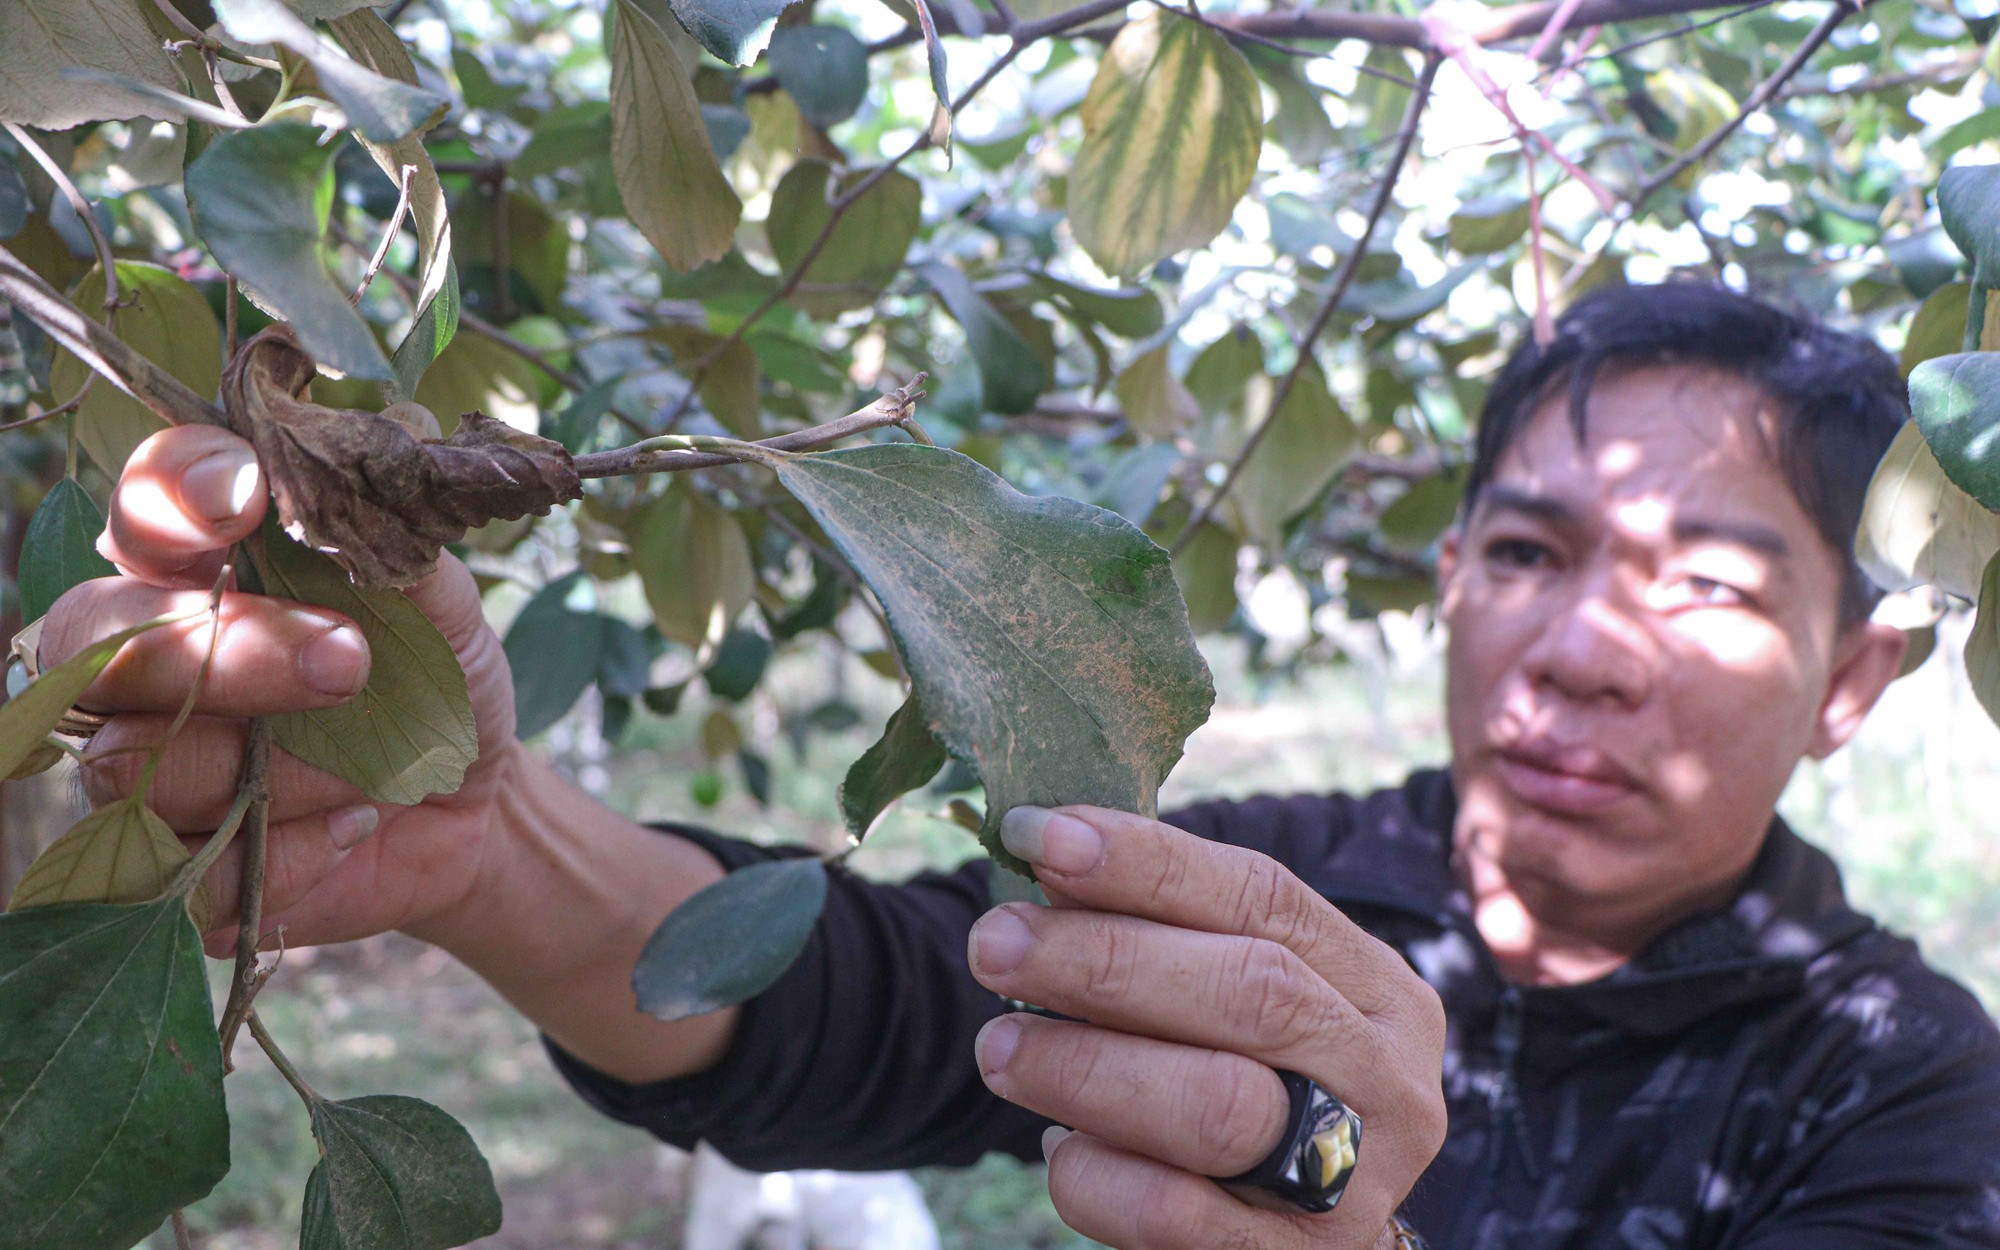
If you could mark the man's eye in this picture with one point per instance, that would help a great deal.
(1517, 553)
(1704, 592)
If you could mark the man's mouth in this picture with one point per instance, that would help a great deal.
(1569, 780)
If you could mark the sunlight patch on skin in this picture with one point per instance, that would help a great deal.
(1646, 517)
(146, 501)
(248, 481)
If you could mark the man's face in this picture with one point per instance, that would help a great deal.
(1644, 642)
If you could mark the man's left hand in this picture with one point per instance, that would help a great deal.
(1195, 970)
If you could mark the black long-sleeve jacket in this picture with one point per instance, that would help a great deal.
(1782, 1073)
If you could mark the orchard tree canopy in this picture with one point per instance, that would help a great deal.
(1137, 320)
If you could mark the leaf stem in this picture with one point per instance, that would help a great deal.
(1975, 316)
(894, 408)
(182, 1239)
(1349, 266)
(389, 233)
(307, 1093)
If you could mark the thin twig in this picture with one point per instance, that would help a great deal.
(1687, 28)
(893, 408)
(60, 177)
(389, 233)
(284, 1066)
(62, 409)
(244, 983)
(229, 330)
(1756, 100)
(1554, 30)
(1349, 266)
(183, 1240)
(1947, 67)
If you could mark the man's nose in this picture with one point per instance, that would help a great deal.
(1596, 646)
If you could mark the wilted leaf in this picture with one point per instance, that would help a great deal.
(39, 39)
(381, 109)
(867, 247)
(255, 196)
(121, 853)
(1307, 442)
(1172, 127)
(824, 68)
(1938, 329)
(1206, 572)
(1156, 403)
(731, 941)
(695, 566)
(163, 318)
(1955, 401)
(29, 716)
(409, 733)
(1968, 199)
(395, 1174)
(1012, 376)
(666, 169)
(1044, 637)
(365, 486)
(113, 1093)
(1919, 529)
(60, 548)
(1982, 646)
(906, 756)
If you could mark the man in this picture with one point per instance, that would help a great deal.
(1661, 1025)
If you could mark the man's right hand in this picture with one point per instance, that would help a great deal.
(339, 866)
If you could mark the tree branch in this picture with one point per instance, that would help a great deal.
(60, 177)
(1349, 266)
(893, 408)
(244, 982)
(102, 350)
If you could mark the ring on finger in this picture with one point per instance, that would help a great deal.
(1315, 1157)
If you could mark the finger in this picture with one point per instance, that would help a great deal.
(273, 655)
(198, 773)
(299, 856)
(1119, 862)
(1205, 1110)
(184, 496)
(1131, 1202)
(1245, 995)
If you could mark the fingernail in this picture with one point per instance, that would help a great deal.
(336, 662)
(221, 484)
(350, 826)
(1051, 1138)
(999, 942)
(995, 1046)
(1057, 842)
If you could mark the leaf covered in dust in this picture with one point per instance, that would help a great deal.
(1045, 638)
(395, 1173)
(364, 487)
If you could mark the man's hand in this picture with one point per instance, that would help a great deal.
(185, 496)
(1197, 970)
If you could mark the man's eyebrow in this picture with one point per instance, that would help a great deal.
(1740, 533)
(1540, 507)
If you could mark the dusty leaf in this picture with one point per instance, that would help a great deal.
(906, 756)
(729, 942)
(1172, 127)
(365, 487)
(660, 151)
(824, 68)
(60, 548)
(1919, 529)
(555, 651)
(1968, 200)
(409, 733)
(120, 853)
(395, 1173)
(40, 39)
(1044, 637)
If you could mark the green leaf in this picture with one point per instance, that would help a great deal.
(730, 386)
(1219, 376)
(1968, 199)
(1012, 376)
(1133, 312)
(475, 372)
(939, 130)
(906, 756)
(554, 652)
(255, 196)
(164, 318)
(736, 31)
(524, 240)
(395, 1173)
(1421, 514)
(1982, 646)
(39, 39)
(694, 565)
(867, 248)
(1918, 529)
(824, 68)
(28, 717)
(730, 941)
(1300, 125)
(1308, 441)
(738, 665)
(1978, 128)
(380, 109)
(60, 548)
(1157, 405)
(1487, 225)
(1206, 572)
(1956, 403)
(673, 188)
(111, 1110)
(1044, 637)
(1133, 484)
(409, 733)
(120, 853)
(1938, 329)
(1172, 127)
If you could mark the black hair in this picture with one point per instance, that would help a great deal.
(1840, 399)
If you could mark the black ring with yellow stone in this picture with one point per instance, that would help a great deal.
(1315, 1159)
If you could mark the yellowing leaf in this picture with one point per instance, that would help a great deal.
(1982, 646)
(167, 321)
(122, 853)
(666, 170)
(1172, 127)
(28, 717)
(1918, 529)
(694, 565)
